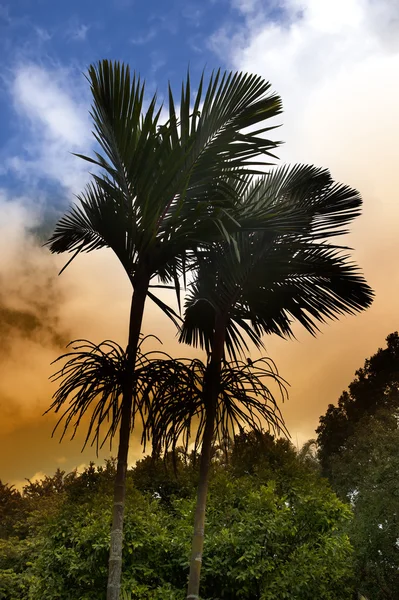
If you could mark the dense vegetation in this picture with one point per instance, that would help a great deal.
(359, 442)
(375, 386)
(275, 530)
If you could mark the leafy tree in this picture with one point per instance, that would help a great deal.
(262, 456)
(375, 386)
(160, 190)
(173, 476)
(10, 505)
(263, 281)
(275, 533)
(263, 544)
(358, 449)
(366, 472)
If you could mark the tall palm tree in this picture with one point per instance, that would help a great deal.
(263, 282)
(158, 191)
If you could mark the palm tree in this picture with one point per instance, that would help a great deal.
(159, 191)
(264, 281)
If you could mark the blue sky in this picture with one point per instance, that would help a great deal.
(46, 46)
(60, 39)
(335, 64)
(159, 39)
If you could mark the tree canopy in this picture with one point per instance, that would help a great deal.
(376, 386)
(358, 447)
(267, 523)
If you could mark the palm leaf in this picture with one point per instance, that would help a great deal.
(159, 191)
(91, 381)
(177, 410)
(283, 273)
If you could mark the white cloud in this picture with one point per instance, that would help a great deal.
(246, 7)
(54, 106)
(79, 33)
(141, 40)
(336, 65)
(320, 42)
(43, 34)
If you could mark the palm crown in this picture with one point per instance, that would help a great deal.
(267, 279)
(160, 189)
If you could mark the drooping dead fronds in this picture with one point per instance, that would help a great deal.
(91, 382)
(176, 406)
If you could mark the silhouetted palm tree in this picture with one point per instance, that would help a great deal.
(159, 191)
(265, 280)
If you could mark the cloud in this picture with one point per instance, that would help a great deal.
(52, 104)
(193, 13)
(246, 7)
(318, 42)
(336, 65)
(43, 34)
(78, 33)
(29, 303)
(142, 39)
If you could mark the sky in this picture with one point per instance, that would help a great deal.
(336, 65)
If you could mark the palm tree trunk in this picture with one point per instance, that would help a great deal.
(211, 393)
(115, 555)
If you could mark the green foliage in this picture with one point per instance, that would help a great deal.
(358, 447)
(276, 531)
(375, 386)
(16, 577)
(175, 476)
(258, 542)
(368, 475)
(10, 505)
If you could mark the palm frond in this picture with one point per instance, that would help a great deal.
(176, 406)
(91, 383)
(91, 379)
(159, 191)
(282, 283)
(282, 273)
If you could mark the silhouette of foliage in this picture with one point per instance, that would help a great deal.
(177, 410)
(375, 386)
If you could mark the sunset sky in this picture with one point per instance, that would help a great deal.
(336, 65)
